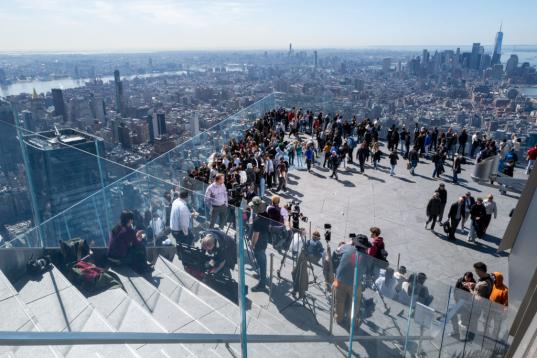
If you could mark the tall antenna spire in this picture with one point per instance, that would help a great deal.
(501, 23)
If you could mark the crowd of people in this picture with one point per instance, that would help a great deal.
(245, 170)
(478, 212)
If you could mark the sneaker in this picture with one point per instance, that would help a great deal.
(426, 226)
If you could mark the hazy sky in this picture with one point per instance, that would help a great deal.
(125, 25)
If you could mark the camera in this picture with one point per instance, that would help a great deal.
(327, 232)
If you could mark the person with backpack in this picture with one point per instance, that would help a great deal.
(377, 249)
(509, 162)
(126, 246)
(413, 159)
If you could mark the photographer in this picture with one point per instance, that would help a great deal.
(223, 252)
(344, 280)
(277, 228)
(260, 239)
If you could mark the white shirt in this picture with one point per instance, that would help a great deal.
(180, 216)
(157, 225)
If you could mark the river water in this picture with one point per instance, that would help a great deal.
(66, 83)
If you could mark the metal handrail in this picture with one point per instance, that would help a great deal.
(17, 338)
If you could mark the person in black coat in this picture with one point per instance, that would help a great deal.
(442, 192)
(463, 139)
(456, 213)
(433, 210)
(362, 154)
(477, 214)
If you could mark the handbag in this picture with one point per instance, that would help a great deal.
(408, 165)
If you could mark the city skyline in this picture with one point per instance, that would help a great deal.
(141, 25)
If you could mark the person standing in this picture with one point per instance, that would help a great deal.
(491, 209)
(334, 163)
(413, 159)
(260, 239)
(377, 154)
(469, 201)
(531, 156)
(216, 199)
(463, 313)
(456, 213)
(309, 158)
(362, 154)
(499, 295)
(442, 192)
(477, 214)
(457, 168)
(393, 161)
(282, 175)
(480, 290)
(433, 210)
(463, 138)
(344, 277)
(180, 220)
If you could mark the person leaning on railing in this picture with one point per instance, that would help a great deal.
(344, 278)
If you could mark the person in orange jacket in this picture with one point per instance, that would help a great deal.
(500, 298)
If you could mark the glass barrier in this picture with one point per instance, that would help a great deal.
(296, 281)
(57, 170)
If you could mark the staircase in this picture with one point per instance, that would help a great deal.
(167, 301)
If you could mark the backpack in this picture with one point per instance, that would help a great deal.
(336, 259)
(36, 267)
(91, 278)
(74, 250)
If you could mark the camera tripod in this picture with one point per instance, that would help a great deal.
(294, 260)
(301, 263)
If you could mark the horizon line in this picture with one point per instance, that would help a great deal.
(236, 49)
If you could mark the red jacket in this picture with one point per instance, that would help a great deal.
(376, 249)
(532, 153)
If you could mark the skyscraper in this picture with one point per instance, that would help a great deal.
(151, 128)
(475, 56)
(497, 47)
(59, 103)
(290, 49)
(195, 124)
(120, 104)
(161, 122)
(10, 153)
(124, 136)
(511, 65)
(315, 55)
(63, 168)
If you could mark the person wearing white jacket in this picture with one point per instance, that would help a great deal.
(491, 209)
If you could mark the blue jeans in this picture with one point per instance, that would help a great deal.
(455, 177)
(262, 187)
(261, 258)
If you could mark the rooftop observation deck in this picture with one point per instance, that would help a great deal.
(172, 301)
